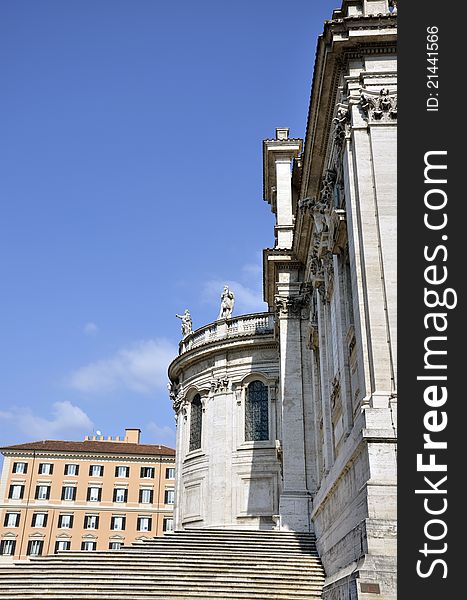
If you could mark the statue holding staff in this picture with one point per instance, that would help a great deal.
(187, 324)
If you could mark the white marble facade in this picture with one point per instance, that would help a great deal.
(326, 351)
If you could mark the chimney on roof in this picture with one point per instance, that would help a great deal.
(282, 133)
(132, 435)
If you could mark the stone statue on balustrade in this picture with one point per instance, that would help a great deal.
(187, 323)
(227, 303)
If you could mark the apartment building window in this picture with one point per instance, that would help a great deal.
(168, 524)
(20, 468)
(91, 522)
(145, 496)
(169, 496)
(88, 546)
(7, 547)
(42, 492)
(62, 545)
(35, 547)
(71, 469)
(115, 545)
(46, 469)
(96, 470)
(94, 494)
(16, 492)
(120, 495)
(170, 473)
(69, 492)
(147, 472)
(144, 524)
(117, 523)
(65, 521)
(11, 519)
(122, 471)
(39, 520)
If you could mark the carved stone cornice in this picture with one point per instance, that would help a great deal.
(380, 106)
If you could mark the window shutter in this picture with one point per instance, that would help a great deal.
(18, 517)
(56, 547)
(10, 493)
(140, 498)
(123, 522)
(77, 470)
(21, 492)
(112, 523)
(63, 492)
(149, 524)
(115, 495)
(74, 493)
(45, 520)
(25, 468)
(36, 495)
(99, 494)
(5, 521)
(116, 471)
(151, 495)
(97, 522)
(88, 495)
(51, 469)
(71, 521)
(90, 469)
(47, 494)
(125, 496)
(142, 472)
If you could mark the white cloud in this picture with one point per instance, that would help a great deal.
(67, 419)
(161, 435)
(90, 329)
(247, 299)
(141, 368)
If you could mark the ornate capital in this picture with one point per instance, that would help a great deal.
(292, 306)
(380, 106)
(219, 385)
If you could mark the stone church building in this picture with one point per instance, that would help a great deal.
(286, 420)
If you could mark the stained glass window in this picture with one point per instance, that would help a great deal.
(196, 420)
(256, 412)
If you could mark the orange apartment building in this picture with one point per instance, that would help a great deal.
(93, 495)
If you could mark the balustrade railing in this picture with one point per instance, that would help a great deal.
(254, 324)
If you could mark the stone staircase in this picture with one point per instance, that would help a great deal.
(207, 563)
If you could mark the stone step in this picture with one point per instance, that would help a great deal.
(210, 585)
(29, 594)
(204, 564)
(272, 570)
(202, 554)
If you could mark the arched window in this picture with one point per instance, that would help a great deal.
(196, 421)
(256, 412)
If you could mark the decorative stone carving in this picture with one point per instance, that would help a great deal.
(327, 186)
(177, 398)
(341, 125)
(292, 306)
(306, 203)
(187, 323)
(378, 107)
(227, 304)
(219, 385)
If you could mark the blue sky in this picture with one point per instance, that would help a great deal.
(131, 189)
